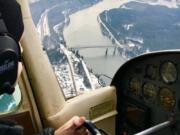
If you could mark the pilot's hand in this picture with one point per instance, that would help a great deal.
(73, 127)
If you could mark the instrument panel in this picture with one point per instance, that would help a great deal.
(154, 82)
(149, 85)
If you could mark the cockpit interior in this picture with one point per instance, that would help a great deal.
(144, 93)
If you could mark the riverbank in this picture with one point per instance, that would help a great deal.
(73, 75)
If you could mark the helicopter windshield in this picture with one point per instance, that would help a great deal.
(86, 40)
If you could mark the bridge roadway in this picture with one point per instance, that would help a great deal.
(77, 48)
(91, 46)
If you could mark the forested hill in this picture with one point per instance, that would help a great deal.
(143, 27)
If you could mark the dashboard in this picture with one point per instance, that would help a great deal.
(148, 92)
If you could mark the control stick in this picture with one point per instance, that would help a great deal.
(157, 128)
(93, 129)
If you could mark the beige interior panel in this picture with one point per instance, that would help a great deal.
(108, 125)
(28, 102)
(81, 105)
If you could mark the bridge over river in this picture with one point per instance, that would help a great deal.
(107, 48)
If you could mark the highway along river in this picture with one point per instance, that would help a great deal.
(84, 31)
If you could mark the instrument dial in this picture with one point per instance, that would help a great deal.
(151, 72)
(168, 72)
(166, 98)
(149, 91)
(135, 86)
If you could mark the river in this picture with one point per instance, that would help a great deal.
(84, 30)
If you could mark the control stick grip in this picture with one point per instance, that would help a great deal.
(91, 127)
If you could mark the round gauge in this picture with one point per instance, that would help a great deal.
(151, 71)
(149, 91)
(168, 72)
(135, 86)
(166, 98)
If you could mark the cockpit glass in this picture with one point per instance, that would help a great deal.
(9, 103)
(87, 39)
